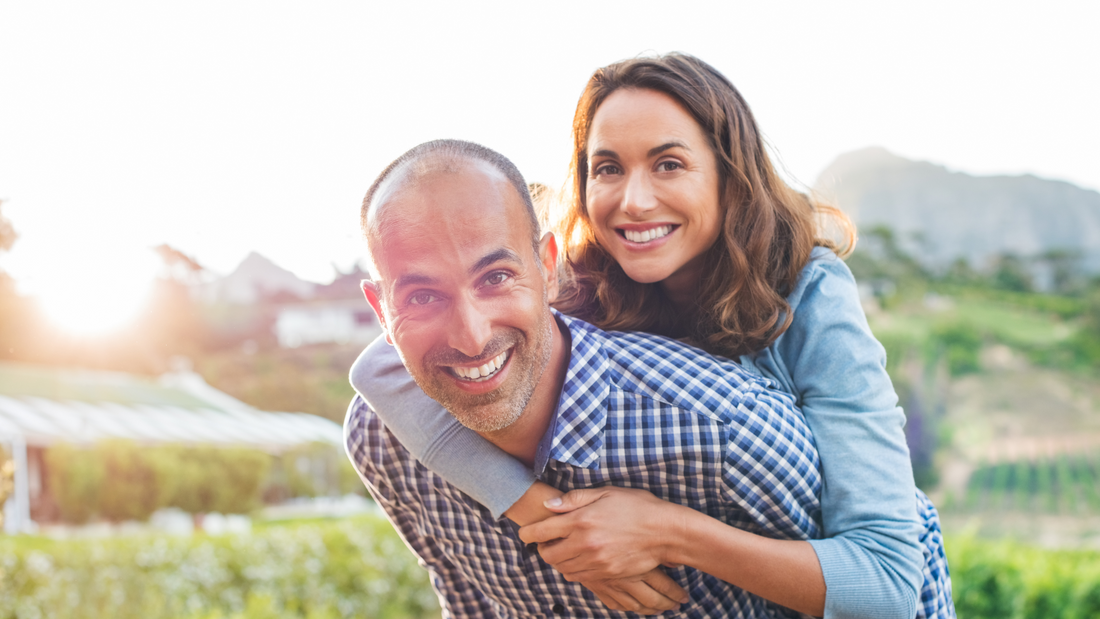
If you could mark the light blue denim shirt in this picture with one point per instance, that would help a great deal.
(829, 360)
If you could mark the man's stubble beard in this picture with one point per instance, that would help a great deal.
(494, 411)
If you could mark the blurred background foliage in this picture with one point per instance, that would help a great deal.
(355, 567)
(119, 480)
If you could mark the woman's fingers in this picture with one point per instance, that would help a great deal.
(637, 594)
(665, 586)
(574, 499)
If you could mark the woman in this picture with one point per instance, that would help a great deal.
(679, 225)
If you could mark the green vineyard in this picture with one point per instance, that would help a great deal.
(1066, 484)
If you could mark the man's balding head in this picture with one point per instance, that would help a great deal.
(427, 160)
(461, 281)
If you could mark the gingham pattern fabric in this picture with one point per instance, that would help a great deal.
(636, 411)
(935, 595)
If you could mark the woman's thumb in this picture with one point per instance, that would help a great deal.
(572, 500)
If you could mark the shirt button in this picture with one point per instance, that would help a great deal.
(558, 609)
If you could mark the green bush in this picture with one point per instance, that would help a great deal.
(211, 479)
(350, 568)
(120, 480)
(1007, 580)
(960, 343)
(75, 477)
(134, 482)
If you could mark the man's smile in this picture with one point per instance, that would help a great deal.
(482, 372)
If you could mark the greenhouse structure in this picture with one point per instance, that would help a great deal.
(41, 406)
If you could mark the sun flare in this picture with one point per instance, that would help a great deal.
(102, 293)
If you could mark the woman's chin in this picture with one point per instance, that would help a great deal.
(647, 275)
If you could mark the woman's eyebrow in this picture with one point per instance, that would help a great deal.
(657, 150)
(653, 152)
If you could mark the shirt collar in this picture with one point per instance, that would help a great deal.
(575, 434)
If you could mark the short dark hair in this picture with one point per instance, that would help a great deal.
(451, 153)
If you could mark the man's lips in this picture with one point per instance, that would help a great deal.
(644, 233)
(482, 372)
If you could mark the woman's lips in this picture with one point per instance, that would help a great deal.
(645, 235)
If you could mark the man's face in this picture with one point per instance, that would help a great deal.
(464, 299)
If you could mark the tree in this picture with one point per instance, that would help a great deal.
(1012, 274)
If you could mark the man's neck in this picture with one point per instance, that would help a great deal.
(521, 439)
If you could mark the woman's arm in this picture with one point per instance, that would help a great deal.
(871, 555)
(616, 532)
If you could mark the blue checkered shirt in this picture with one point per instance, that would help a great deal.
(636, 410)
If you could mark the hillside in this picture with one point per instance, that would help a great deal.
(938, 215)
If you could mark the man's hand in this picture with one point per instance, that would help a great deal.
(606, 533)
(651, 593)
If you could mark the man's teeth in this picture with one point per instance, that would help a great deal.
(647, 235)
(484, 371)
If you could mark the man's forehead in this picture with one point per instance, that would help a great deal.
(454, 214)
(418, 178)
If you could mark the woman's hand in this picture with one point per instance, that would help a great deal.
(651, 593)
(646, 593)
(606, 533)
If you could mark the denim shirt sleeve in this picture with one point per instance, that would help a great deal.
(830, 361)
(434, 437)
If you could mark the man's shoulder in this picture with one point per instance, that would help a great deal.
(368, 443)
(672, 371)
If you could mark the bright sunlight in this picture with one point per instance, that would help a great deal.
(101, 291)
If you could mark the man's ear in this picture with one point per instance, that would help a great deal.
(370, 291)
(548, 255)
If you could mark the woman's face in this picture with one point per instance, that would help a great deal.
(652, 190)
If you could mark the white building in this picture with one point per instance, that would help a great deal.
(342, 321)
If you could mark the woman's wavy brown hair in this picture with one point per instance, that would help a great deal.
(767, 234)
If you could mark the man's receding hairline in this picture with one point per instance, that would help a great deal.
(416, 172)
(428, 159)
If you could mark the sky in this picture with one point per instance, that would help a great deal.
(227, 127)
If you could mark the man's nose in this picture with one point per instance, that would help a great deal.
(470, 328)
(638, 196)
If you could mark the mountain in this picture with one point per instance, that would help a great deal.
(254, 279)
(939, 215)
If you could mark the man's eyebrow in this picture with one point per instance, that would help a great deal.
(489, 259)
(412, 279)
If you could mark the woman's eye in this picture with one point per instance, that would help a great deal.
(422, 298)
(497, 278)
(669, 166)
(607, 168)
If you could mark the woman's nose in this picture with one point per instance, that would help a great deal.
(638, 196)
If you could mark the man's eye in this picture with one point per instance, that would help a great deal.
(422, 298)
(496, 279)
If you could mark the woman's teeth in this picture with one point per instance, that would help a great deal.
(484, 371)
(647, 235)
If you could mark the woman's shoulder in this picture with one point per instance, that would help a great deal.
(824, 276)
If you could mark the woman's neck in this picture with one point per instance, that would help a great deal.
(682, 289)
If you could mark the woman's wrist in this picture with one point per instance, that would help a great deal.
(530, 507)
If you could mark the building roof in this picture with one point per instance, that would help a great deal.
(47, 405)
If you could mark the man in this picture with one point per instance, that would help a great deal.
(462, 281)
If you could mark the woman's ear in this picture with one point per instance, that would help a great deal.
(371, 292)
